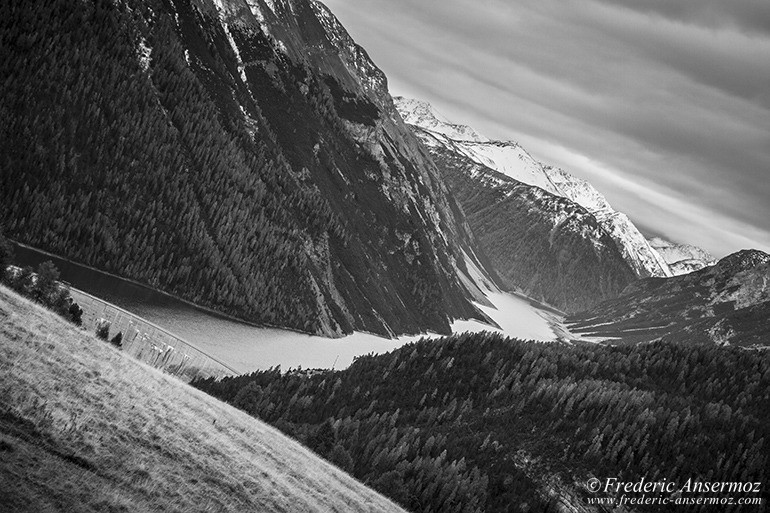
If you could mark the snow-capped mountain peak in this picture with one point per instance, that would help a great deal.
(682, 258)
(422, 114)
(578, 190)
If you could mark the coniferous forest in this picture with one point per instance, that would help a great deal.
(132, 142)
(476, 422)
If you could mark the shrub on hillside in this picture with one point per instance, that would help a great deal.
(103, 329)
(75, 313)
(117, 340)
(21, 280)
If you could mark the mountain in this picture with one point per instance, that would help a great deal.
(422, 114)
(500, 425)
(682, 258)
(510, 159)
(243, 155)
(84, 427)
(542, 245)
(727, 303)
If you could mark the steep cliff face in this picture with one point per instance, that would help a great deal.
(727, 303)
(243, 154)
(540, 244)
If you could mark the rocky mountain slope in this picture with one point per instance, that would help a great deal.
(539, 242)
(242, 154)
(542, 245)
(727, 303)
(514, 161)
(682, 258)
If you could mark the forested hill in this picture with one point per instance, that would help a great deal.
(237, 155)
(481, 423)
(726, 303)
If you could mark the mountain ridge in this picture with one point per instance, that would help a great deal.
(726, 303)
(682, 258)
(541, 245)
(513, 160)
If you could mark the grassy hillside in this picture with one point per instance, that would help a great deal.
(85, 428)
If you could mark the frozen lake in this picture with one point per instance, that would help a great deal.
(247, 348)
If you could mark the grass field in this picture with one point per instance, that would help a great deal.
(86, 428)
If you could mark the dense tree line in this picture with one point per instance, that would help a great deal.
(132, 142)
(478, 422)
(41, 285)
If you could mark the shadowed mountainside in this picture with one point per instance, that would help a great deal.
(238, 155)
(545, 246)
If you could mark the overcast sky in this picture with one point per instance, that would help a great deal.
(663, 105)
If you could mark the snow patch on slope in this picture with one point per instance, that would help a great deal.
(510, 159)
(270, 5)
(577, 190)
(257, 12)
(241, 66)
(144, 53)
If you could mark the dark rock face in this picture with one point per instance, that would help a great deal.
(240, 155)
(542, 245)
(727, 303)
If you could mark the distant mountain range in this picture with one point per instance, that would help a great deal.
(510, 159)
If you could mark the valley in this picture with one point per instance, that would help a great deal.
(237, 274)
(247, 348)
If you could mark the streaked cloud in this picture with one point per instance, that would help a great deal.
(748, 16)
(664, 105)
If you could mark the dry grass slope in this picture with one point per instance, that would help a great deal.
(85, 428)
